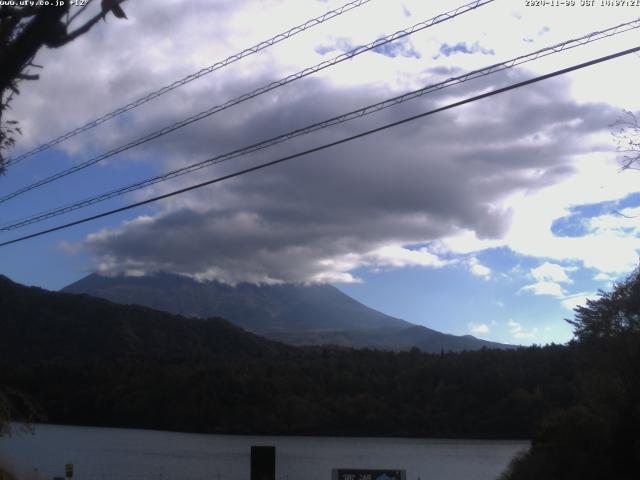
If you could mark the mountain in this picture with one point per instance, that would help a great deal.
(37, 324)
(292, 313)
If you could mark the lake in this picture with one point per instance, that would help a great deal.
(110, 454)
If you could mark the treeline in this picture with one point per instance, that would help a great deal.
(319, 391)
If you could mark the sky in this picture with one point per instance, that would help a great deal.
(493, 219)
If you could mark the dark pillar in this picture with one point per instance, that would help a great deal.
(263, 463)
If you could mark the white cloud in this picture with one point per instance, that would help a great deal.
(551, 272)
(604, 277)
(548, 277)
(397, 256)
(479, 328)
(520, 333)
(478, 269)
(544, 288)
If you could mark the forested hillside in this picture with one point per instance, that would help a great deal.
(40, 325)
(90, 361)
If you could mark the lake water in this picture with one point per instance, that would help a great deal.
(110, 454)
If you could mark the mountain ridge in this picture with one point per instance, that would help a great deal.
(296, 314)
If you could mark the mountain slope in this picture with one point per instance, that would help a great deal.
(294, 314)
(38, 324)
(289, 307)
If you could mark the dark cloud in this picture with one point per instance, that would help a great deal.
(320, 217)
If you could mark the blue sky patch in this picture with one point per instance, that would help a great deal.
(462, 47)
(576, 224)
(402, 47)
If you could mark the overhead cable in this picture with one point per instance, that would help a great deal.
(327, 145)
(563, 46)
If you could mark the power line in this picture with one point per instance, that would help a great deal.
(563, 46)
(273, 85)
(328, 145)
(189, 78)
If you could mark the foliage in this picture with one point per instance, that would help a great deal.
(613, 313)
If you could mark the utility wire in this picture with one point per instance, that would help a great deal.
(563, 46)
(329, 145)
(189, 78)
(272, 86)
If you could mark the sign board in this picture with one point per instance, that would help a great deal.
(366, 474)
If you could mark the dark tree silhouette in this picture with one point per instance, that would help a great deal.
(24, 30)
(612, 313)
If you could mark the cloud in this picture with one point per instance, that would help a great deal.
(479, 328)
(551, 272)
(362, 204)
(478, 269)
(324, 216)
(398, 257)
(520, 333)
(545, 288)
(548, 278)
(604, 277)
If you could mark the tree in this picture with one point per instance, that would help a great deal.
(24, 30)
(613, 313)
